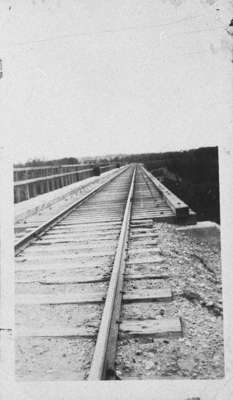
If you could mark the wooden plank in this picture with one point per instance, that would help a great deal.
(144, 251)
(143, 235)
(64, 280)
(100, 223)
(70, 247)
(24, 267)
(86, 298)
(68, 250)
(139, 221)
(141, 225)
(76, 240)
(83, 229)
(142, 242)
(85, 332)
(66, 257)
(163, 327)
(142, 215)
(140, 295)
(146, 261)
(146, 276)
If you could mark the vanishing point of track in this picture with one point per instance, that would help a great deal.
(76, 273)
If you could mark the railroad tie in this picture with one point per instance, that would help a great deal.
(92, 298)
(164, 327)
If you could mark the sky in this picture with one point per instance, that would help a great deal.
(87, 77)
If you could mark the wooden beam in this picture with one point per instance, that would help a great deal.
(141, 295)
(146, 276)
(85, 332)
(61, 299)
(163, 327)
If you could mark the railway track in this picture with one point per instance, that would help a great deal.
(27, 222)
(77, 276)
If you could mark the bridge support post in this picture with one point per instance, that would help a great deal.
(17, 195)
(34, 191)
(27, 194)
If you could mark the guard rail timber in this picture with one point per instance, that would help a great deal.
(179, 207)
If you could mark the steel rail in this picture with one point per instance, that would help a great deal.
(109, 324)
(26, 240)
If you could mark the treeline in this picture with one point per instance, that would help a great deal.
(192, 175)
(199, 183)
(37, 162)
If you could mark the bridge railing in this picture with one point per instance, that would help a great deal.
(32, 181)
(42, 171)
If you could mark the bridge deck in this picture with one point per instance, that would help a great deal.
(109, 288)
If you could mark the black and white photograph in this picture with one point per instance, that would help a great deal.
(116, 215)
(116, 276)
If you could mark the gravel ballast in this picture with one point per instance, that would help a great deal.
(194, 270)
